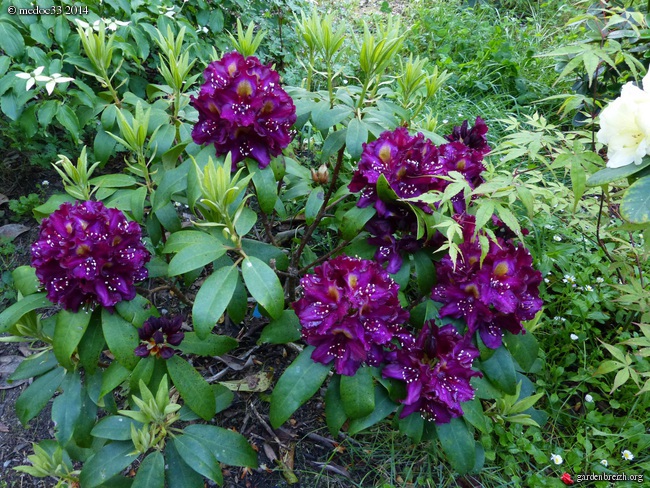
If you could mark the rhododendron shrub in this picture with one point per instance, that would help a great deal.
(362, 250)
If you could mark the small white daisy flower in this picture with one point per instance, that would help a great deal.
(569, 278)
(546, 280)
(45, 183)
(604, 462)
(588, 288)
(627, 455)
(600, 280)
(444, 121)
(574, 337)
(589, 398)
(557, 238)
(557, 459)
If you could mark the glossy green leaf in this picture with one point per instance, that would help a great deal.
(192, 387)
(35, 397)
(334, 412)
(151, 472)
(12, 41)
(109, 461)
(115, 427)
(610, 175)
(384, 406)
(523, 347)
(196, 256)
(354, 220)
(458, 444)
(266, 252)
(325, 117)
(266, 188)
(264, 285)
(68, 331)
(635, 205)
(314, 204)
(34, 365)
(299, 382)
(357, 393)
(66, 408)
(227, 446)
(213, 298)
(68, 119)
(212, 345)
(92, 344)
(282, 330)
(333, 143)
(500, 370)
(356, 136)
(121, 338)
(136, 311)
(172, 181)
(474, 414)
(384, 190)
(412, 426)
(198, 457)
(25, 280)
(425, 272)
(10, 316)
(177, 473)
(113, 377)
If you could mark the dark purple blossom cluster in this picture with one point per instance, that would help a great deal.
(88, 254)
(350, 311)
(437, 370)
(157, 335)
(494, 296)
(243, 110)
(413, 165)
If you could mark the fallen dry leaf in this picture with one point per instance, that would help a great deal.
(11, 231)
(8, 365)
(3, 199)
(3, 428)
(254, 382)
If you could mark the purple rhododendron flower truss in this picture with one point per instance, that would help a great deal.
(350, 312)
(437, 370)
(157, 335)
(243, 110)
(409, 163)
(88, 254)
(496, 296)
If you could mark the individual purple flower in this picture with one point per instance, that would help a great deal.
(409, 163)
(473, 138)
(88, 254)
(437, 370)
(157, 335)
(243, 110)
(350, 311)
(494, 296)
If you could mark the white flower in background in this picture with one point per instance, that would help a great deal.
(82, 24)
(589, 398)
(557, 459)
(444, 121)
(111, 24)
(168, 12)
(627, 455)
(588, 288)
(203, 29)
(45, 183)
(557, 238)
(54, 79)
(569, 279)
(625, 125)
(546, 280)
(600, 280)
(33, 77)
(574, 337)
(604, 462)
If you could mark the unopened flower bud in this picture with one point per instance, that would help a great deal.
(321, 176)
